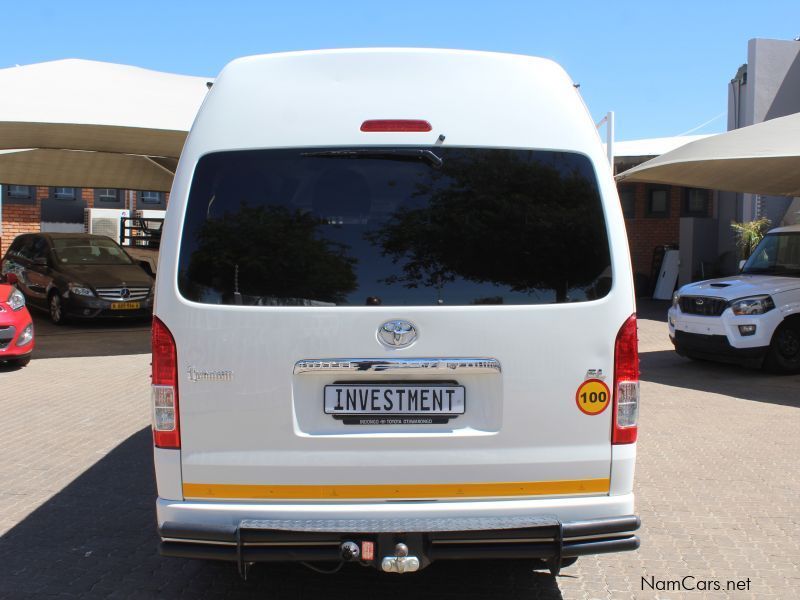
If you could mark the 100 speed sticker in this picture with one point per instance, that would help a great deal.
(593, 396)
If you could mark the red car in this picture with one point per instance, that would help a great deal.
(16, 327)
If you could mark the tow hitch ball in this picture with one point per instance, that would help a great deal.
(401, 562)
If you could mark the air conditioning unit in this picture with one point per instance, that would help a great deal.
(104, 221)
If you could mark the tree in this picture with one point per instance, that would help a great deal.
(274, 253)
(548, 217)
(749, 234)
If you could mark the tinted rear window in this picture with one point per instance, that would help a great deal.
(398, 227)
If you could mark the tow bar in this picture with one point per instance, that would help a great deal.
(400, 545)
(401, 562)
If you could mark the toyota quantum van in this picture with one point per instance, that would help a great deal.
(394, 318)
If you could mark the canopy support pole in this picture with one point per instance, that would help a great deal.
(608, 120)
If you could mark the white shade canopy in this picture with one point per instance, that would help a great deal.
(77, 168)
(759, 159)
(116, 115)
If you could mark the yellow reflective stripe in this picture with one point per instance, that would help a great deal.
(409, 491)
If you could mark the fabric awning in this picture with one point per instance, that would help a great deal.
(759, 159)
(136, 120)
(76, 168)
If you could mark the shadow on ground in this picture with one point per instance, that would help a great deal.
(96, 538)
(668, 368)
(656, 310)
(89, 338)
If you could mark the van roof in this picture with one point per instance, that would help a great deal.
(321, 98)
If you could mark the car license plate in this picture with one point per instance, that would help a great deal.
(124, 305)
(380, 404)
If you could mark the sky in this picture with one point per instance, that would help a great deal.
(662, 67)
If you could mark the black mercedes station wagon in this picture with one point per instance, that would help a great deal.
(78, 275)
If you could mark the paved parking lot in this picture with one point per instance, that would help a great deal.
(717, 489)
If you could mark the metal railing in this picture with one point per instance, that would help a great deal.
(140, 232)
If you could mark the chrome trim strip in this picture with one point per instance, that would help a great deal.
(487, 366)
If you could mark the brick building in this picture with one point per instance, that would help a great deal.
(27, 209)
(653, 219)
(658, 216)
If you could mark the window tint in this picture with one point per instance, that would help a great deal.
(776, 254)
(20, 192)
(19, 245)
(40, 248)
(92, 251)
(658, 203)
(627, 198)
(65, 193)
(151, 197)
(695, 203)
(107, 195)
(404, 226)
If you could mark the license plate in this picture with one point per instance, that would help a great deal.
(387, 404)
(124, 305)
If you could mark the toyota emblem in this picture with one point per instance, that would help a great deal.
(397, 334)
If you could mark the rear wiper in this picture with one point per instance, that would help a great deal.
(406, 154)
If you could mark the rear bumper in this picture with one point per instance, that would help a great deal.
(525, 528)
(427, 540)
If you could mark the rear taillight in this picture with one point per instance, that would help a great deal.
(164, 389)
(626, 384)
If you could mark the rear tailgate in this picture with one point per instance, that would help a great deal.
(264, 433)
(292, 264)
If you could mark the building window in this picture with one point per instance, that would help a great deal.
(108, 196)
(64, 193)
(627, 198)
(19, 194)
(658, 202)
(151, 200)
(151, 197)
(695, 203)
(20, 191)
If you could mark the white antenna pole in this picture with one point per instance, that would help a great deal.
(610, 137)
(608, 121)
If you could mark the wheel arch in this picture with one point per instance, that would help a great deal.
(793, 319)
(775, 361)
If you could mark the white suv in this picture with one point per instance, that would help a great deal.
(751, 318)
(394, 318)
